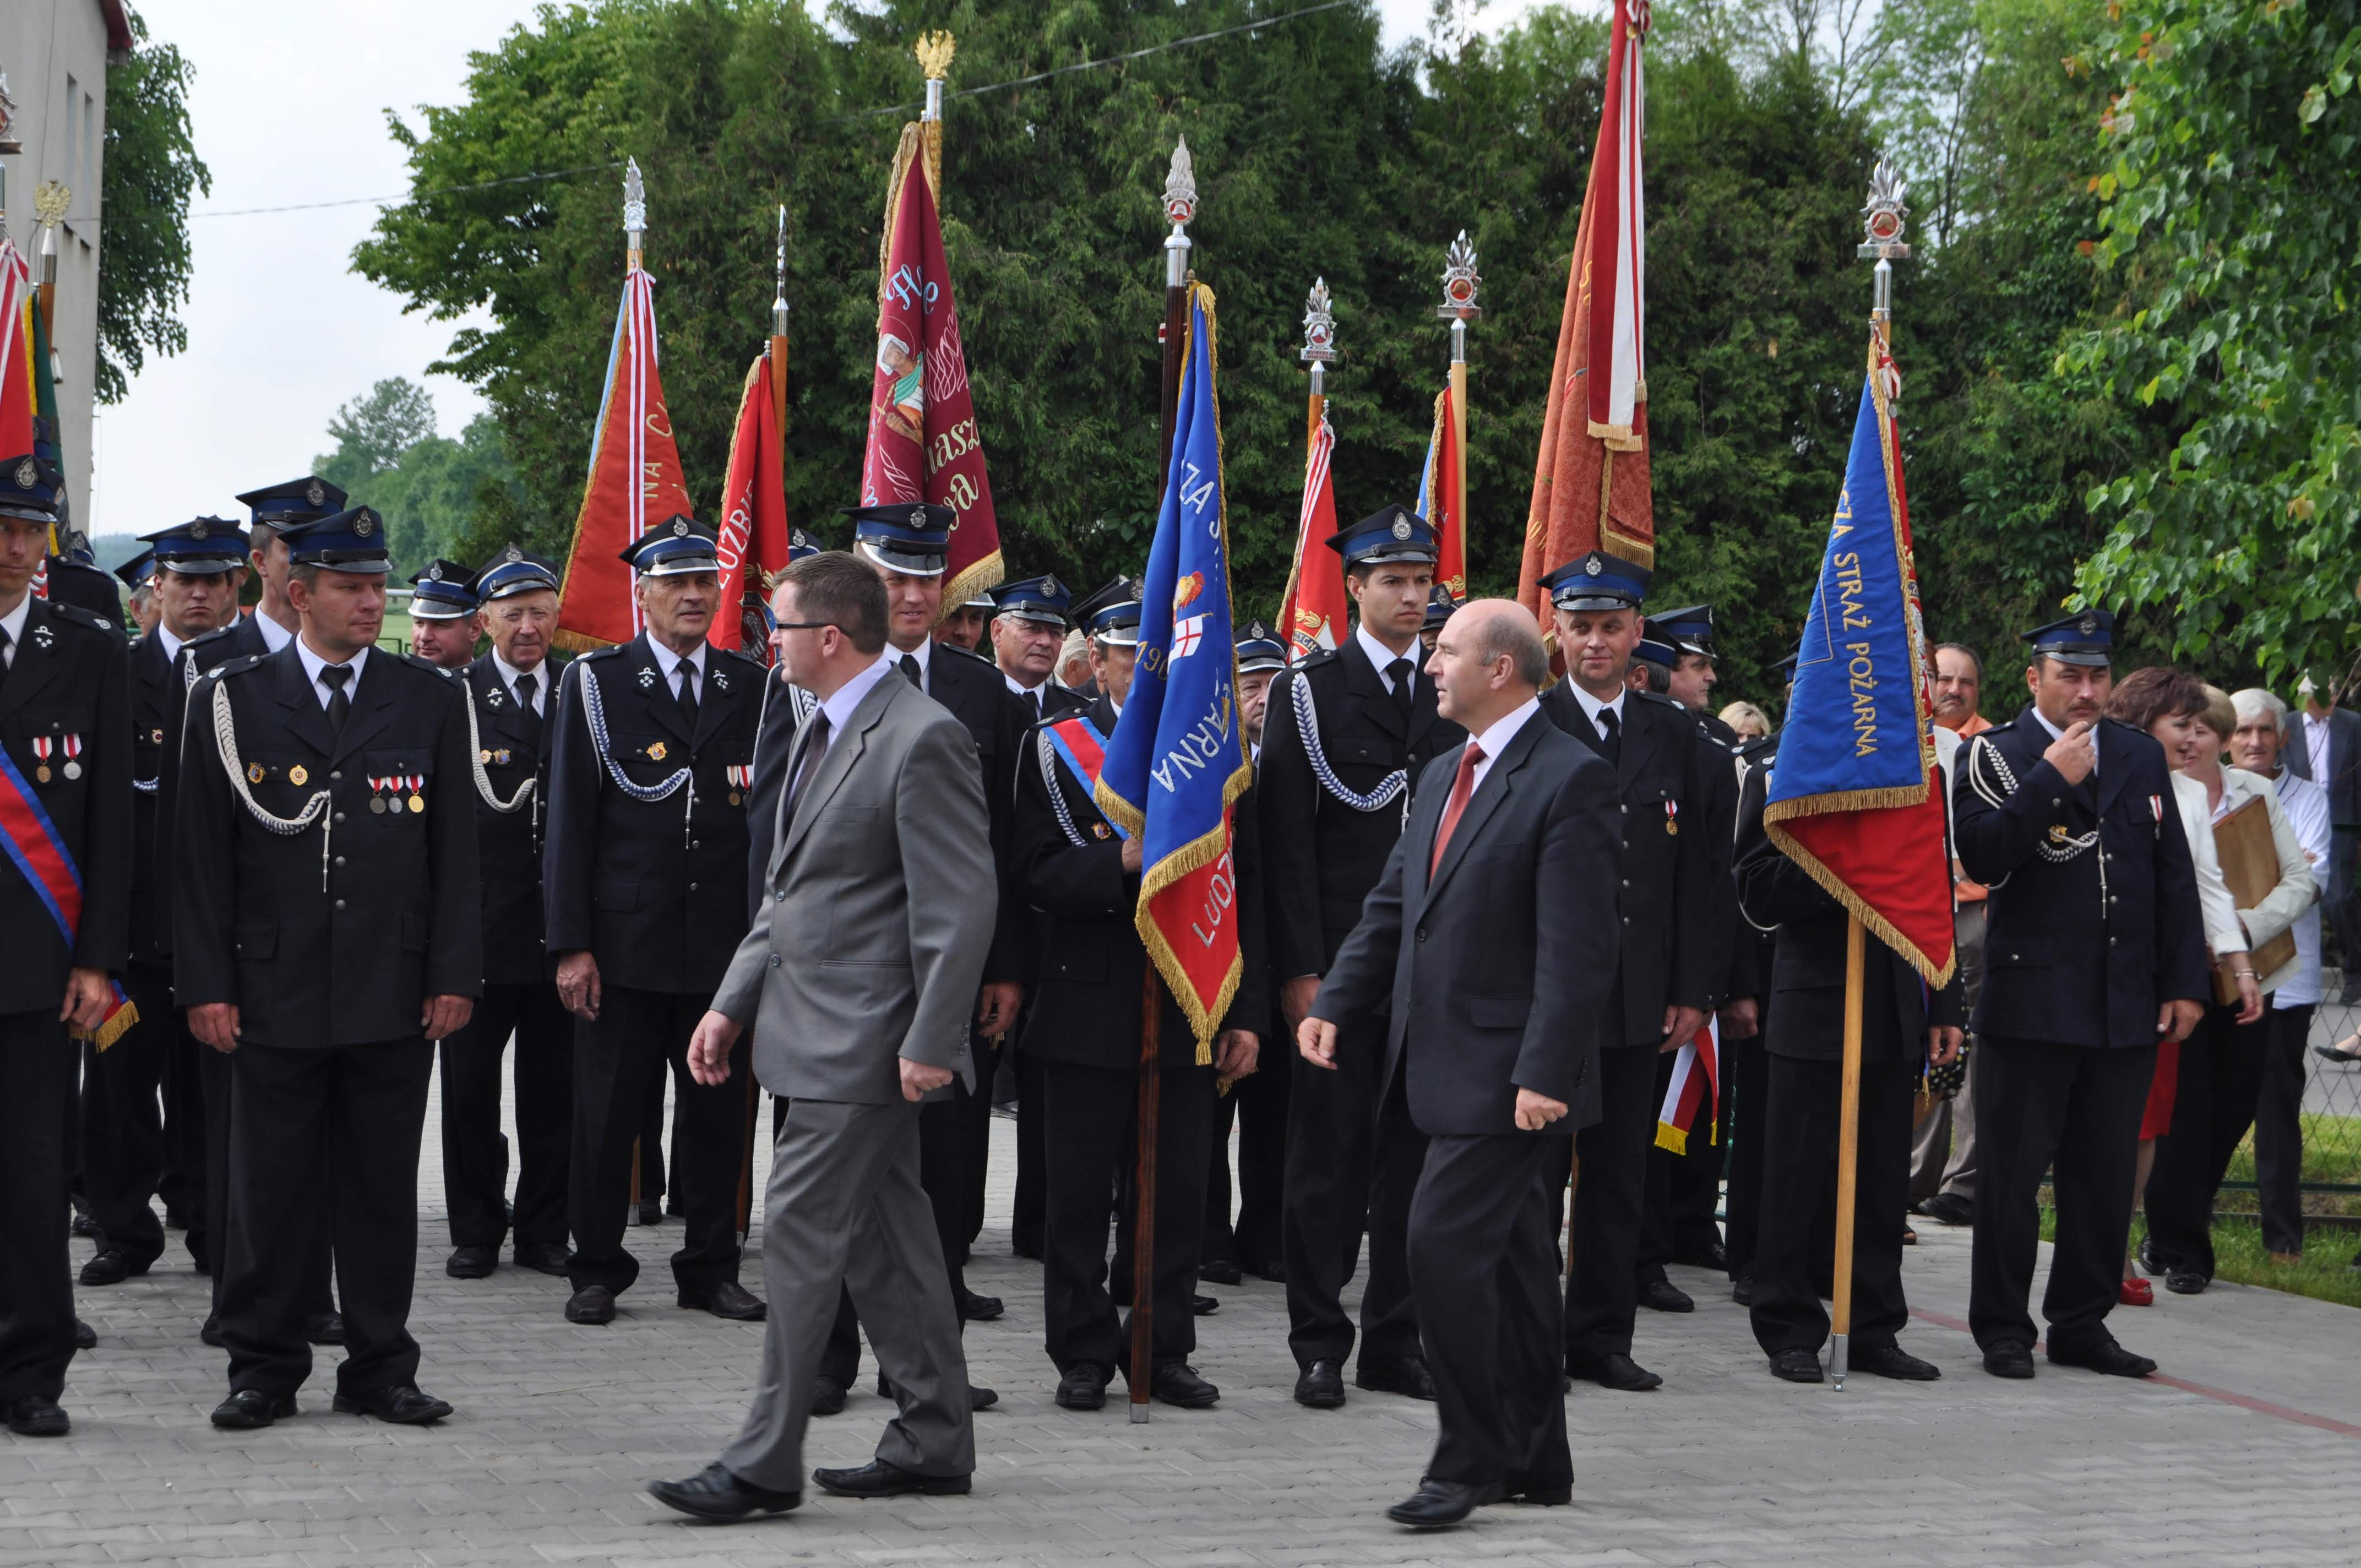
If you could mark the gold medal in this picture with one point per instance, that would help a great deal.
(377, 804)
(417, 803)
(484, 757)
(656, 752)
(42, 773)
(1671, 827)
(254, 773)
(297, 776)
(733, 798)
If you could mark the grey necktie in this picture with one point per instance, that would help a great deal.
(815, 748)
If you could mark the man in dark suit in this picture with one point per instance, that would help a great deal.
(1083, 873)
(1345, 734)
(1490, 936)
(2093, 952)
(508, 691)
(2323, 744)
(1673, 882)
(644, 894)
(130, 1151)
(1902, 1029)
(65, 905)
(325, 933)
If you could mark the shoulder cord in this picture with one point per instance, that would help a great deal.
(314, 809)
(1047, 750)
(1307, 724)
(594, 711)
(475, 761)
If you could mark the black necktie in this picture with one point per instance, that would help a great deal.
(1611, 736)
(910, 668)
(1401, 671)
(815, 748)
(5, 659)
(1032, 697)
(688, 694)
(339, 704)
(525, 687)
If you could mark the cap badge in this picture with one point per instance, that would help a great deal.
(917, 516)
(680, 528)
(435, 573)
(1593, 567)
(1401, 526)
(1050, 588)
(197, 529)
(27, 474)
(363, 526)
(315, 494)
(2088, 625)
(513, 553)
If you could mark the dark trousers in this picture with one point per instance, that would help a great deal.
(1482, 1261)
(216, 1082)
(1032, 1160)
(1257, 1106)
(1677, 1223)
(2341, 903)
(2072, 1111)
(1746, 1079)
(474, 1150)
(123, 1146)
(615, 1056)
(322, 1141)
(1091, 1145)
(978, 1108)
(2221, 1081)
(1799, 1178)
(2278, 1129)
(1608, 1198)
(37, 1310)
(947, 1131)
(1349, 1167)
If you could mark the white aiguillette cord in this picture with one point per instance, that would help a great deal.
(314, 809)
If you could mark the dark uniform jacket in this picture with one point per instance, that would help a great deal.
(1808, 977)
(1321, 855)
(156, 710)
(1753, 945)
(86, 588)
(68, 679)
(1085, 1007)
(200, 655)
(510, 749)
(2092, 923)
(335, 933)
(979, 698)
(655, 889)
(1673, 882)
(1497, 966)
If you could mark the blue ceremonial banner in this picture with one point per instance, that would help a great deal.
(1176, 763)
(1855, 798)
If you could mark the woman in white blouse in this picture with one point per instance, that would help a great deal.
(2222, 1064)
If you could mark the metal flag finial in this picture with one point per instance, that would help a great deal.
(1319, 325)
(779, 298)
(1460, 283)
(1180, 206)
(50, 199)
(934, 50)
(9, 145)
(635, 204)
(1883, 219)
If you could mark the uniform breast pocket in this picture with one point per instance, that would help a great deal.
(283, 782)
(399, 781)
(647, 758)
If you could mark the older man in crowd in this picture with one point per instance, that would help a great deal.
(1943, 1152)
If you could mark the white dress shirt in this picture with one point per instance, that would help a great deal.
(171, 645)
(13, 623)
(314, 665)
(1495, 741)
(2057, 734)
(2306, 804)
(1383, 657)
(1591, 706)
(924, 653)
(274, 636)
(668, 663)
(839, 707)
(510, 675)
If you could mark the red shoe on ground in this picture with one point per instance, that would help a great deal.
(2139, 1293)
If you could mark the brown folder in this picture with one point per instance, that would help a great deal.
(2250, 864)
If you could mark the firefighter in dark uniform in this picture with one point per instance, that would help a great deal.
(1676, 884)
(2093, 952)
(644, 890)
(1439, 606)
(443, 616)
(326, 933)
(75, 578)
(1082, 873)
(65, 913)
(1343, 734)
(508, 689)
(130, 1153)
(1744, 1068)
(1903, 1028)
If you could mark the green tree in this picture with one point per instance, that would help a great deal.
(440, 497)
(151, 168)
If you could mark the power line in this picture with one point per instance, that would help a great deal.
(413, 197)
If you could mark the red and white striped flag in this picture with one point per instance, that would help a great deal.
(1693, 1099)
(1313, 612)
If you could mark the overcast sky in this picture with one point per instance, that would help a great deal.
(288, 108)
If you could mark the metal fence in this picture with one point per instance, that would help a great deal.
(2332, 1125)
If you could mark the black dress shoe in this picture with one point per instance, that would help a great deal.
(86, 1337)
(1663, 1296)
(324, 1328)
(1949, 1209)
(110, 1266)
(472, 1262)
(652, 1213)
(1271, 1270)
(541, 1257)
(1796, 1366)
(1177, 1383)
(2149, 1262)
(1204, 1306)
(403, 1404)
(1083, 1387)
(2105, 1356)
(2009, 1359)
(1409, 1375)
(211, 1333)
(1618, 1372)
(828, 1396)
(882, 1478)
(1713, 1256)
(249, 1409)
(1321, 1387)
(1893, 1361)
(592, 1304)
(728, 1300)
(1742, 1291)
(1221, 1271)
(1439, 1505)
(717, 1494)
(2184, 1282)
(38, 1415)
(975, 1309)
(81, 1224)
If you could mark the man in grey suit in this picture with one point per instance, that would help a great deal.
(2323, 744)
(863, 963)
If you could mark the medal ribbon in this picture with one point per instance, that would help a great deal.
(38, 853)
(1082, 749)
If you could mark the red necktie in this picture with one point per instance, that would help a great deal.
(1463, 784)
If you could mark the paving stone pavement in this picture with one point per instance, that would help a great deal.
(2250, 1458)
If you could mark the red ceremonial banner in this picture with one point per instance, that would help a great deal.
(1442, 495)
(634, 481)
(1313, 612)
(923, 440)
(17, 392)
(753, 517)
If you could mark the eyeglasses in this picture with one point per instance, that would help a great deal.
(802, 625)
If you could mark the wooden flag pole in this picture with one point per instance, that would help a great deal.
(1460, 283)
(1848, 1155)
